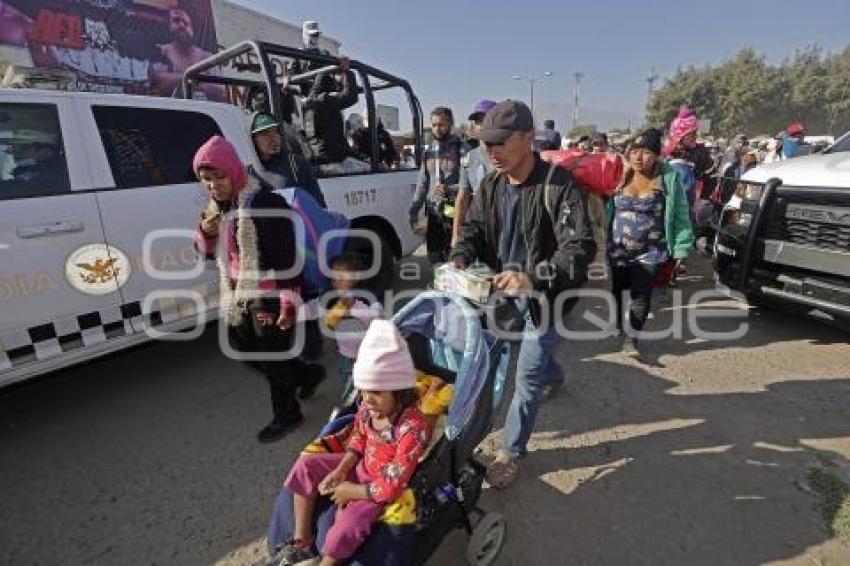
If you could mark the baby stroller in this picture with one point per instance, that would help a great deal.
(446, 339)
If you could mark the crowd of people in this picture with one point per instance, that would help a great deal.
(497, 199)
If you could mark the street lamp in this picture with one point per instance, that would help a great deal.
(531, 80)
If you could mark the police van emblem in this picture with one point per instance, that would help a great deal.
(97, 269)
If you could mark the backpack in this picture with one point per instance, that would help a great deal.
(315, 223)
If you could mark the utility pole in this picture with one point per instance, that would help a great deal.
(650, 80)
(578, 75)
(531, 80)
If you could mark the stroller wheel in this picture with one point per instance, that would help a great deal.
(486, 540)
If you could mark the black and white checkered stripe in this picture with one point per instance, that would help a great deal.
(64, 335)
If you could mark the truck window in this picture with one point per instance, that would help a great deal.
(32, 157)
(149, 147)
(395, 128)
(326, 99)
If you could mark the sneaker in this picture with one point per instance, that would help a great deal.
(503, 470)
(310, 382)
(278, 428)
(298, 552)
(551, 390)
(630, 347)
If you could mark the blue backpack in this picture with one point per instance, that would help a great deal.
(316, 221)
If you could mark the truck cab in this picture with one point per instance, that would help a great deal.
(784, 237)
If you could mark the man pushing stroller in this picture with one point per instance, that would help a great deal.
(529, 223)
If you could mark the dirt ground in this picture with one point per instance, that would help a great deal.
(698, 455)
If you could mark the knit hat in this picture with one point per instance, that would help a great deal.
(795, 128)
(683, 124)
(383, 360)
(220, 154)
(648, 139)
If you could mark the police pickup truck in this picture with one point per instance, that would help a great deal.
(98, 205)
(784, 238)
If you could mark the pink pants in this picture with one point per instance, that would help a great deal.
(352, 523)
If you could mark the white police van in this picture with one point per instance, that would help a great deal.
(97, 206)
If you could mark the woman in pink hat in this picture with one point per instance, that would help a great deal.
(389, 437)
(258, 300)
(683, 146)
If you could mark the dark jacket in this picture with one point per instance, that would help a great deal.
(451, 151)
(323, 123)
(361, 139)
(290, 169)
(700, 156)
(558, 236)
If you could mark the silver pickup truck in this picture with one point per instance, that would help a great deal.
(785, 235)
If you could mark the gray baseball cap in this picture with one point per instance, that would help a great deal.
(504, 119)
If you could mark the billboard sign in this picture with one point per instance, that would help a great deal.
(118, 46)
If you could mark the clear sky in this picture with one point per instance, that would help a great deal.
(455, 52)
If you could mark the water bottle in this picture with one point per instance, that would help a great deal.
(445, 493)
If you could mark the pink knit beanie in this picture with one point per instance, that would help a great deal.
(383, 360)
(683, 124)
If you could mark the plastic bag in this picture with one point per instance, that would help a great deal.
(600, 173)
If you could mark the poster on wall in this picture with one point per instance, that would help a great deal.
(115, 46)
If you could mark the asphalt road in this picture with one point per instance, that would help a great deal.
(697, 455)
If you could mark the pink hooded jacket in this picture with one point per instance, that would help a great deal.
(219, 154)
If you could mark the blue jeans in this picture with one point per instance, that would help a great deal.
(534, 370)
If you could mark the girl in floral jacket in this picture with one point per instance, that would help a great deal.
(389, 437)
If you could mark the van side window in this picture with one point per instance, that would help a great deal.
(149, 147)
(32, 157)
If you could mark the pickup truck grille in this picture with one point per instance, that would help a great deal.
(817, 235)
(818, 226)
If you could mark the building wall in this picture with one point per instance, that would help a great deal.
(235, 23)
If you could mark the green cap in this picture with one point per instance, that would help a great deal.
(263, 122)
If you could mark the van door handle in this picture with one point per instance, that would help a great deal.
(42, 230)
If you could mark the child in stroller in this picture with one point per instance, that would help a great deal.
(446, 339)
(386, 442)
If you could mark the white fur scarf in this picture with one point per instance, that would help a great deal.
(232, 300)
